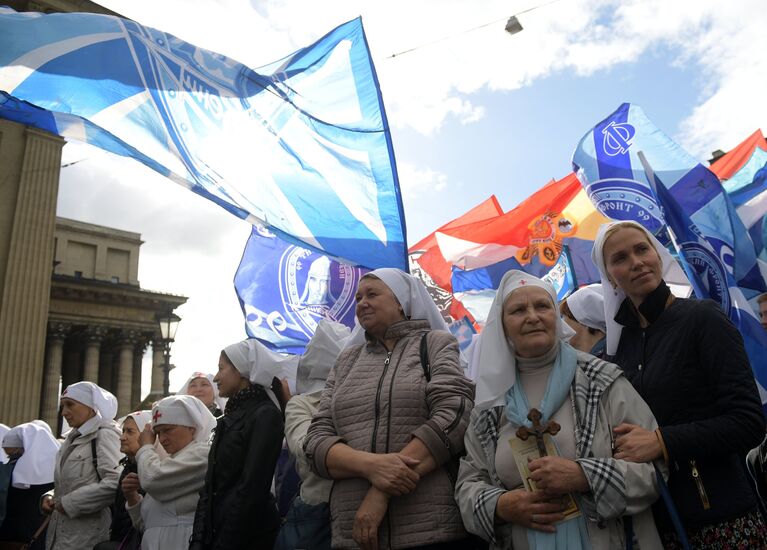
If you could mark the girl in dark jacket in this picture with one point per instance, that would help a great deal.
(236, 510)
(687, 360)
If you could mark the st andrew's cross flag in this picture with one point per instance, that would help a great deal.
(301, 145)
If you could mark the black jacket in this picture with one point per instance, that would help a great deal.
(691, 368)
(121, 522)
(237, 510)
(22, 514)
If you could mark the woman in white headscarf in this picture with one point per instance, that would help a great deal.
(510, 493)
(202, 386)
(307, 523)
(391, 419)
(237, 509)
(687, 360)
(584, 312)
(122, 534)
(165, 513)
(32, 450)
(86, 473)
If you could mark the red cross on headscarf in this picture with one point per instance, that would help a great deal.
(522, 282)
(157, 414)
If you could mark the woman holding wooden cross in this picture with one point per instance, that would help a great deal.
(539, 470)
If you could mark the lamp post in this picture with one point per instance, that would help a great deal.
(168, 326)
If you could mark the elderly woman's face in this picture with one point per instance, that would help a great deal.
(129, 444)
(632, 263)
(75, 413)
(173, 437)
(202, 389)
(530, 321)
(377, 307)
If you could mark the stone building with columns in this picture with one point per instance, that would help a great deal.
(100, 321)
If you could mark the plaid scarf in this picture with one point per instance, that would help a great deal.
(236, 401)
(592, 378)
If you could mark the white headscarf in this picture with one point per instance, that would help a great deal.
(614, 296)
(36, 465)
(185, 410)
(141, 418)
(261, 365)
(496, 371)
(412, 296)
(219, 401)
(95, 397)
(3, 430)
(587, 305)
(320, 355)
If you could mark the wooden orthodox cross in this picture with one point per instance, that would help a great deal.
(538, 430)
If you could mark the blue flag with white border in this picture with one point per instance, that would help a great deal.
(285, 290)
(301, 145)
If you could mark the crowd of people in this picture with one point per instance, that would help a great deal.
(620, 417)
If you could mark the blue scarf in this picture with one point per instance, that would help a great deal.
(571, 534)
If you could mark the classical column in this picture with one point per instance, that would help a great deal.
(138, 359)
(158, 366)
(106, 359)
(31, 161)
(49, 403)
(93, 336)
(125, 372)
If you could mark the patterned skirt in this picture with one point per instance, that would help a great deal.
(748, 532)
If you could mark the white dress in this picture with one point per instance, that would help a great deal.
(165, 514)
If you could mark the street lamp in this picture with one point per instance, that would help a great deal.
(168, 326)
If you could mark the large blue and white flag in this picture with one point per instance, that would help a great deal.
(285, 290)
(748, 191)
(696, 212)
(301, 145)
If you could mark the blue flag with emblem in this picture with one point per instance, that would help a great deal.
(702, 221)
(285, 290)
(301, 145)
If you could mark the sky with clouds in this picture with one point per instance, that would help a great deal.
(472, 114)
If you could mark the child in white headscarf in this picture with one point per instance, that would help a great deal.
(87, 470)
(165, 514)
(584, 312)
(32, 451)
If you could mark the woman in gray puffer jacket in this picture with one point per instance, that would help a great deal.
(389, 424)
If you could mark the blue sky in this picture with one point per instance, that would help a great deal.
(478, 114)
(527, 136)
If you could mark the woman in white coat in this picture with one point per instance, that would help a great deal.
(87, 470)
(512, 494)
(165, 514)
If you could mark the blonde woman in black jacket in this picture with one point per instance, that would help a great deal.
(688, 362)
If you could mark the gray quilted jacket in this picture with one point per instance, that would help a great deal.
(377, 407)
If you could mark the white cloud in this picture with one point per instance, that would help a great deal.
(416, 182)
(425, 87)
(193, 247)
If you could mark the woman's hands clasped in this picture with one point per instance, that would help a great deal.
(392, 473)
(368, 519)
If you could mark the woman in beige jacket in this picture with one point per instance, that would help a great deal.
(87, 470)
(389, 423)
